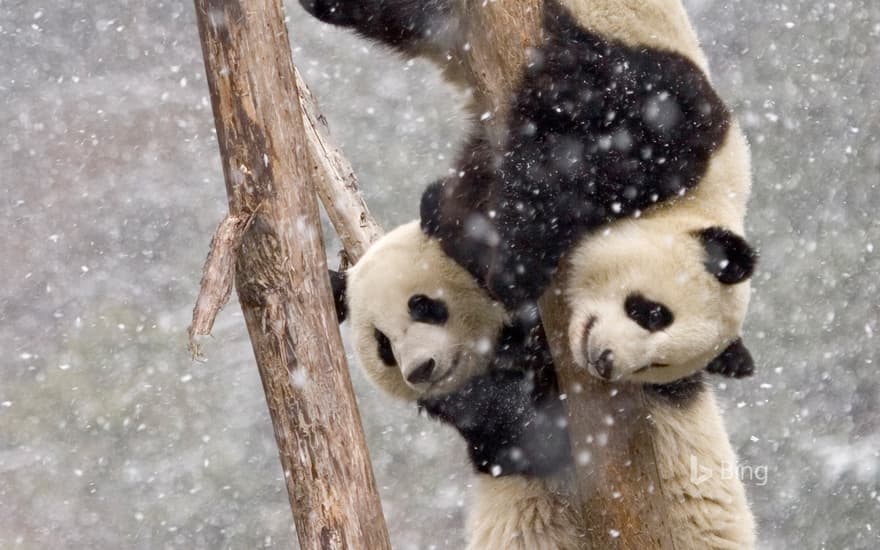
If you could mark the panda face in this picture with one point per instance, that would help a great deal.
(420, 323)
(651, 304)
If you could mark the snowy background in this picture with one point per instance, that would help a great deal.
(110, 187)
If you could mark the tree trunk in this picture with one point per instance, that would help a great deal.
(281, 275)
(613, 447)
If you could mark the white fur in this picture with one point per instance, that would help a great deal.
(659, 24)
(660, 258)
(657, 252)
(519, 513)
(696, 467)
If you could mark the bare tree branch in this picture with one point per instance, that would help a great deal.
(336, 182)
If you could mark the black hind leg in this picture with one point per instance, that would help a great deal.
(400, 23)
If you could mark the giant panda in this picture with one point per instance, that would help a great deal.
(652, 301)
(588, 111)
(425, 331)
(422, 328)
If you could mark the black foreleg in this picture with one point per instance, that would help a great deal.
(507, 431)
(454, 210)
(511, 417)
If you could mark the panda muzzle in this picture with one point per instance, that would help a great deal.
(604, 365)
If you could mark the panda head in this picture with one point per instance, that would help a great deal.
(420, 324)
(651, 304)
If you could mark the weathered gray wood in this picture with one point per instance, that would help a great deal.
(336, 182)
(281, 275)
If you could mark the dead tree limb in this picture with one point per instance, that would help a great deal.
(336, 182)
(337, 187)
(281, 275)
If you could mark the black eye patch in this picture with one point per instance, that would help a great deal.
(649, 315)
(386, 354)
(426, 310)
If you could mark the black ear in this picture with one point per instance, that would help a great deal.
(430, 208)
(734, 362)
(337, 281)
(728, 256)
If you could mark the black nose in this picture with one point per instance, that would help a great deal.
(422, 373)
(605, 364)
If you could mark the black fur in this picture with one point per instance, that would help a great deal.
(338, 283)
(423, 309)
(384, 349)
(511, 417)
(399, 23)
(728, 256)
(651, 316)
(598, 131)
(455, 210)
(680, 393)
(734, 362)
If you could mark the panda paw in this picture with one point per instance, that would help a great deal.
(483, 403)
(734, 362)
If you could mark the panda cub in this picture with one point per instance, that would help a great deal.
(423, 330)
(652, 302)
(589, 111)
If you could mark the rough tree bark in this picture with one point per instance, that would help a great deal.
(271, 241)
